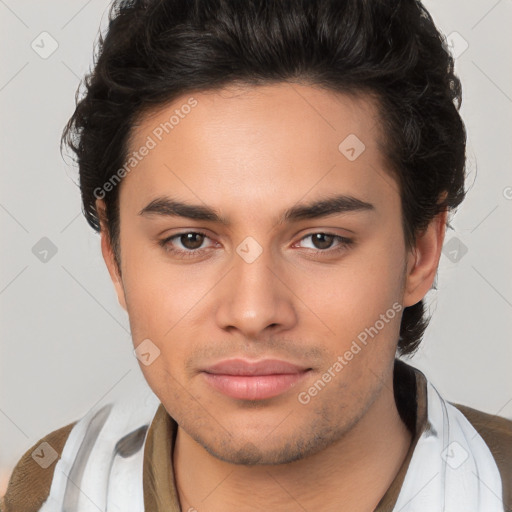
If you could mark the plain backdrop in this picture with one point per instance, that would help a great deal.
(65, 342)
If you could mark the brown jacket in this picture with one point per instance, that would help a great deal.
(29, 485)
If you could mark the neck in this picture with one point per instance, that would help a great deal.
(350, 475)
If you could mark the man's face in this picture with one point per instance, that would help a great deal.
(261, 287)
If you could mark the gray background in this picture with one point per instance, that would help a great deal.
(65, 342)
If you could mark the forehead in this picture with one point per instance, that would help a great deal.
(268, 108)
(259, 143)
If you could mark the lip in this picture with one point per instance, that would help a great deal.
(253, 380)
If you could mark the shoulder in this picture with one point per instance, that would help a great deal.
(496, 431)
(31, 479)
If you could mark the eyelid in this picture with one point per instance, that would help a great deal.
(167, 239)
(342, 239)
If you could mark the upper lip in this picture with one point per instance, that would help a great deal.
(245, 367)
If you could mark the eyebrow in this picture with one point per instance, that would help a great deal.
(340, 204)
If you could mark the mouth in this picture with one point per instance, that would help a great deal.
(246, 380)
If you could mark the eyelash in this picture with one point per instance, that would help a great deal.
(344, 243)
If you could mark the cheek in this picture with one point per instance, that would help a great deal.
(164, 304)
(352, 294)
(158, 294)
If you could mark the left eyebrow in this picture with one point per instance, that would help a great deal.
(331, 206)
(340, 204)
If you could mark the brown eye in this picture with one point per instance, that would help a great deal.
(188, 244)
(192, 240)
(326, 243)
(322, 240)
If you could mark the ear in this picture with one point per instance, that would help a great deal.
(423, 260)
(108, 254)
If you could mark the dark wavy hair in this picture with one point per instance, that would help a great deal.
(391, 50)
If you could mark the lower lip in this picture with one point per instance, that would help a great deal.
(256, 387)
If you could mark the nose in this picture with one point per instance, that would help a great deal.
(254, 298)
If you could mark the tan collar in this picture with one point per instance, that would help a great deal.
(389, 499)
(160, 494)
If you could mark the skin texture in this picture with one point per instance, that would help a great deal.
(251, 153)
